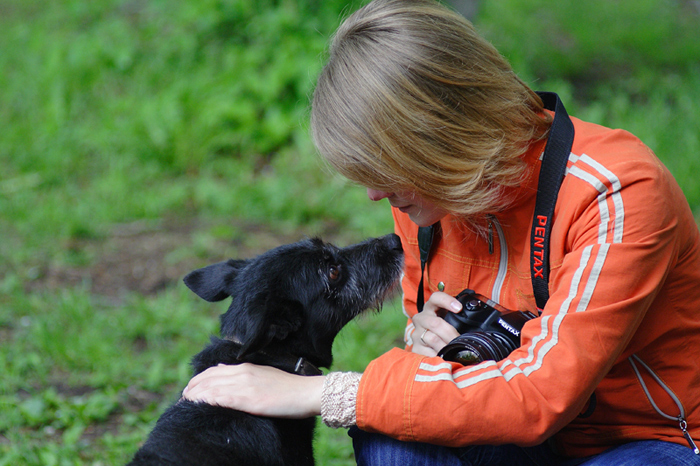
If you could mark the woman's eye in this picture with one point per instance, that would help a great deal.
(334, 272)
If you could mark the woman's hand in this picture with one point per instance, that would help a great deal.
(432, 332)
(260, 390)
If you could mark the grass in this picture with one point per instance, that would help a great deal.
(143, 139)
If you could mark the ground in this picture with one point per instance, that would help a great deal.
(147, 257)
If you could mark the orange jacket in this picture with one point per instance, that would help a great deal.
(624, 294)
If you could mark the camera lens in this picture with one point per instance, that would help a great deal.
(466, 357)
(475, 347)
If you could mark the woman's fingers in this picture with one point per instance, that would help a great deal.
(260, 390)
(432, 332)
(439, 302)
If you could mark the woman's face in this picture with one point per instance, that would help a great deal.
(421, 212)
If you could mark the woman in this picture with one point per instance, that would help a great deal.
(418, 108)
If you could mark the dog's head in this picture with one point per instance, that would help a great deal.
(297, 297)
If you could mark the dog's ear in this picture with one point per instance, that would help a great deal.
(269, 319)
(213, 282)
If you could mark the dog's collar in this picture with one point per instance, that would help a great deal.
(286, 362)
(304, 367)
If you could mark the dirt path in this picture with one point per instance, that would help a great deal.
(145, 258)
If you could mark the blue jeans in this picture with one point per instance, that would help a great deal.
(378, 450)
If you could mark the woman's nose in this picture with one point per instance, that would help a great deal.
(376, 195)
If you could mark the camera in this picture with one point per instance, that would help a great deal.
(488, 331)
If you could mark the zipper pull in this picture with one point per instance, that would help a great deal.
(490, 236)
(684, 427)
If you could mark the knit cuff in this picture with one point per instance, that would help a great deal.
(338, 399)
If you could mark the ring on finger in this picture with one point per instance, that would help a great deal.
(422, 336)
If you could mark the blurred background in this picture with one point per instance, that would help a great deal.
(140, 139)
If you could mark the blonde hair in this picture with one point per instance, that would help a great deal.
(413, 99)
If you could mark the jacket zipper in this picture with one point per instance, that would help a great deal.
(683, 424)
(503, 261)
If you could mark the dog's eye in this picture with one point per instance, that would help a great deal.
(334, 272)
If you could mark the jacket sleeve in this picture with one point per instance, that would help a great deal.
(617, 244)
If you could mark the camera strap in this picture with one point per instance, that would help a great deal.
(425, 241)
(552, 171)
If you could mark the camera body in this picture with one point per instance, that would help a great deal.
(488, 331)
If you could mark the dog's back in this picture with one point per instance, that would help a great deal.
(198, 434)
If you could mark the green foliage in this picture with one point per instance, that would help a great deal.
(175, 83)
(594, 39)
(127, 103)
(120, 111)
(74, 365)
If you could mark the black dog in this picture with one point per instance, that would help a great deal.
(288, 305)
